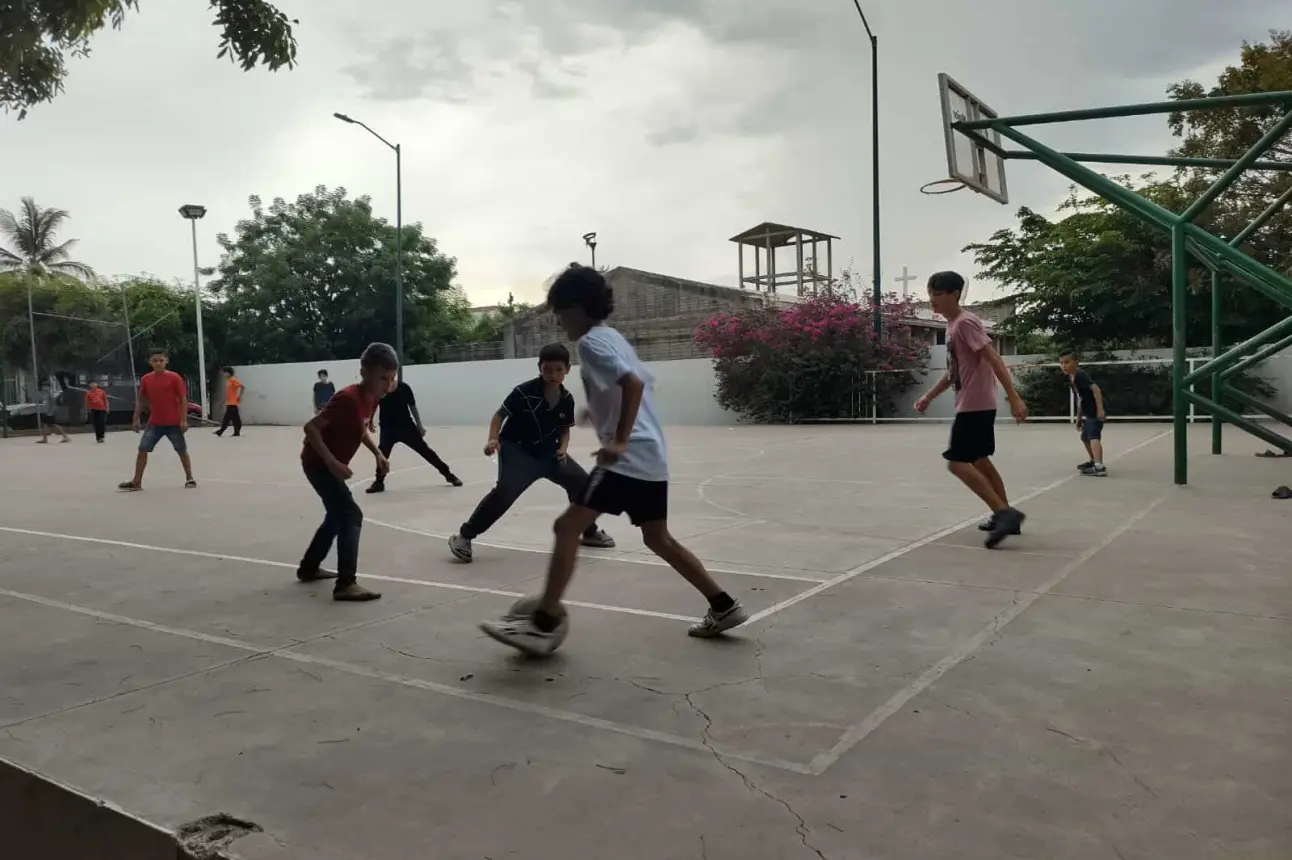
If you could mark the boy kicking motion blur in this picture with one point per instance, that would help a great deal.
(401, 422)
(332, 438)
(530, 433)
(165, 395)
(631, 475)
(973, 369)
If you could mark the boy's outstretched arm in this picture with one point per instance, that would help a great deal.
(1006, 380)
(932, 394)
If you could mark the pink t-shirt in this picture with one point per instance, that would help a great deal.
(971, 376)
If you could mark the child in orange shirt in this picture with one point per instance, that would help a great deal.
(96, 403)
(232, 397)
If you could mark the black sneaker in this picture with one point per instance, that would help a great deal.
(1098, 470)
(453, 479)
(990, 523)
(1007, 522)
(1081, 467)
(376, 487)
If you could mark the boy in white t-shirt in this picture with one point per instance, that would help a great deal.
(631, 476)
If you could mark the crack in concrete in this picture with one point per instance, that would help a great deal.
(801, 828)
(1103, 750)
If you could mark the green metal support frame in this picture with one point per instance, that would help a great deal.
(1221, 257)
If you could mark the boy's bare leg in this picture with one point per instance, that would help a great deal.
(977, 482)
(1090, 449)
(988, 469)
(661, 542)
(141, 463)
(569, 529)
(1096, 449)
(187, 463)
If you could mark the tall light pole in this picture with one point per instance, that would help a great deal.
(878, 295)
(399, 238)
(35, 364)
(590, 239)
(193, 212)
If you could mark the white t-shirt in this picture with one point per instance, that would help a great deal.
(605, 357)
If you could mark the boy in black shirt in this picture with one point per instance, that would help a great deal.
(323, 391)
(401, 422)
(1090, 415)
(530, 433)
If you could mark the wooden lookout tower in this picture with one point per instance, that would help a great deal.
(806, 274)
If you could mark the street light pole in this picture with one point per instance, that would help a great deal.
(590, 239)
(877, 296)
(193, 212)
(35, 366)
(399, 237)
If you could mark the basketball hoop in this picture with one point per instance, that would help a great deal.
(942, 186)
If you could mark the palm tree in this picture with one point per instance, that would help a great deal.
(31, 234)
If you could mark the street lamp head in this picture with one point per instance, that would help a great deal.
(343, 118)
(590, 239)
(192, 211)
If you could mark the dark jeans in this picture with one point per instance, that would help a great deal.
(231, 416)
(342, 523)
(392, 436)
(517, 470)
(99, 418)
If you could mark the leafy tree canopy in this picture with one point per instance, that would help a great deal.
(31, 234)
(315, 279)
(1094, 276)
(38, 36)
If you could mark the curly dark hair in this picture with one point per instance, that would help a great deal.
(584, 287)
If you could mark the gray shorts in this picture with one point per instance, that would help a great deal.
(1092, 430)
(153, 435)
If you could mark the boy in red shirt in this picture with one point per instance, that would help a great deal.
(166, 396)
(96, 403)
(332, 437)
(973, 370)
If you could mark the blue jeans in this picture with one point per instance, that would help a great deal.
(342, 522)
(154, 434)
(1092, 429)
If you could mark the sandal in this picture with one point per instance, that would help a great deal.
(129, 486)
(190, 484)
(1270, 452)
(1282, 493)
(314, 575)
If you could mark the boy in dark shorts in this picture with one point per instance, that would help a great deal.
(332, 438)
(1090, 414)
(530, 433)
(631, 475)
(401, 422)
(49, 416)
(973, 369)
(165, 395)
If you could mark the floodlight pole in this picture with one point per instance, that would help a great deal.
(399, 237)
(35, 367)
(193, 212)
(877, 294)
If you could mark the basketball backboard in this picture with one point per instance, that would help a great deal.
(968, 161)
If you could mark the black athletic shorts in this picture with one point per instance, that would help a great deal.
(973, 436)
(614, 494)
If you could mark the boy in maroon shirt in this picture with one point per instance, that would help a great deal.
(973, 369)
(332, 437)
(166, 396)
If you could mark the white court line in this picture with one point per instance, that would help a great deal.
(426, 583)
(624, 557)
(853, 573)
(859, 731)
(417, 683)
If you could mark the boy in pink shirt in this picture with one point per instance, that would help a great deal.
(973, 368)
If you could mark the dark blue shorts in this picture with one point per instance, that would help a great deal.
(153, 435)
(1092, 430)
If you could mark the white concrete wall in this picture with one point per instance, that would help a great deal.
(468, 392)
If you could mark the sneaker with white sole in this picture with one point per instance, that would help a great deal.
(715, 623)
(597, 539)
(523, 635)
(1098, 470)
(461, 548)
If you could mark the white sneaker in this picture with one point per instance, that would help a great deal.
(521, 634)
(715, 623)
(598, 540)
(461, 548)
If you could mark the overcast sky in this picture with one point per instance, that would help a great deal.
(667, 126)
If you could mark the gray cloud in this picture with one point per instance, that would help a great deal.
(671, 135)
(404, 68)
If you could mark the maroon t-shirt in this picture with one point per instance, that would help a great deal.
(347, 415)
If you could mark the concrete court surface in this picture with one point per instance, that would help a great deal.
(1116, 683)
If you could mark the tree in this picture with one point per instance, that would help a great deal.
(1098, 277)
(40, 34)
(811, 360)
(32, 233)
(73, 328)
(489, 327)
(315, 280)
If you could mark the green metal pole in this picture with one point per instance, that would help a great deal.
(1217, 345)
(1239, 351)
(1257, 357)
(1245, 399)
(1230, 176)
(1155, 160)
(1181, 106)
(1262, 218)
(1232, 417)
(1179, 355)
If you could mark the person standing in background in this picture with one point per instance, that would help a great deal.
(48, 408)
(233, 388)
(323, 391)
(96, 403)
